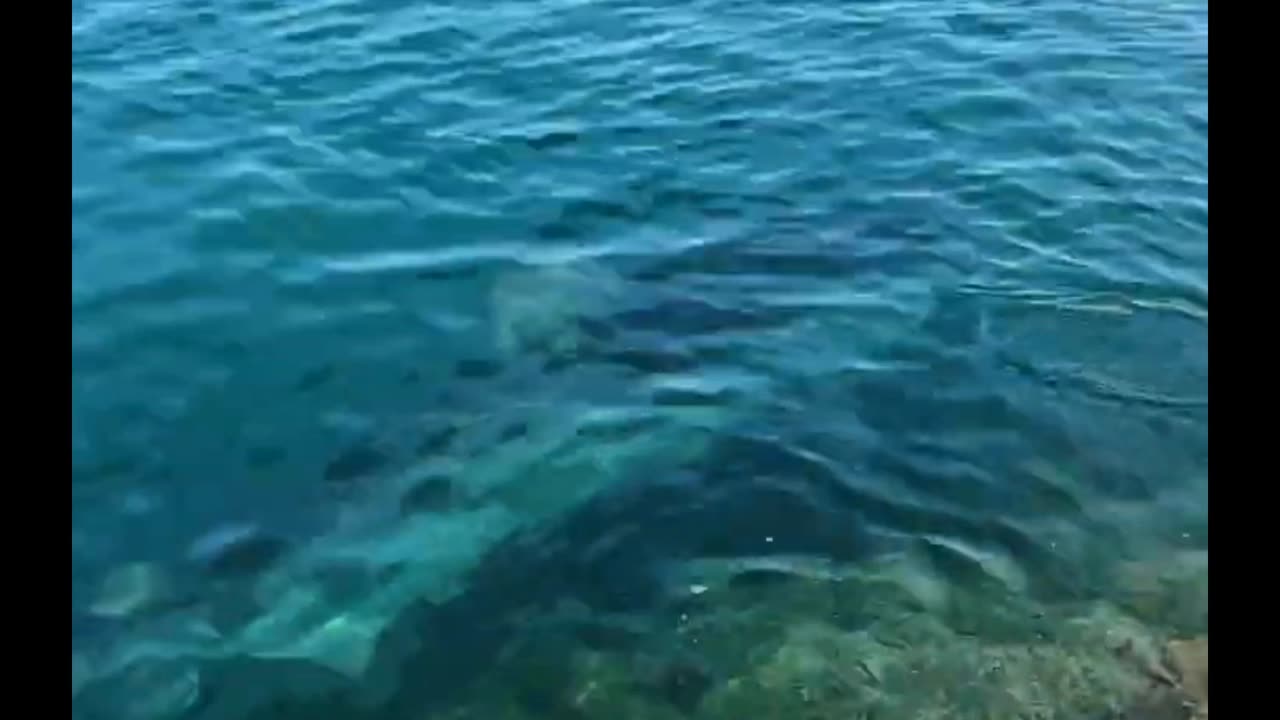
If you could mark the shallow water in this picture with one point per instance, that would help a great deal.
(650, 359)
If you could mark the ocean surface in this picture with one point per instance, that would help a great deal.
(620, 359)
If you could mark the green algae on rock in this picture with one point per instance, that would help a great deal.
(781, 650)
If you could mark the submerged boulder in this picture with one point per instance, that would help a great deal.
(537, 308)
(1189, 660)
(432, 494)
(131, 590)
(237, 550)
(148, 689)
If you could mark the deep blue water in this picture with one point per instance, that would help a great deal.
(432, 319)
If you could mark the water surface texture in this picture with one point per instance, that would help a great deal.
(639, 359)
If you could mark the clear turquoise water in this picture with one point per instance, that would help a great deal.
(470, 311)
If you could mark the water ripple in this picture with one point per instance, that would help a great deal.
(893, 273)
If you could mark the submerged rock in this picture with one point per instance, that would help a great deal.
(132, 589)
(346, 644)
(1161, 703)
(431, 495)
(437, 440)
(150, 689)
(537, 308)
(912, 665)
(476, 368)
(540, 673)
(683, 683)
(1189, 660)
(1170, 589)
(230, 609)
(759, 577)
(604, 635)
(354, 463)
(251, 688)
(237, 550)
